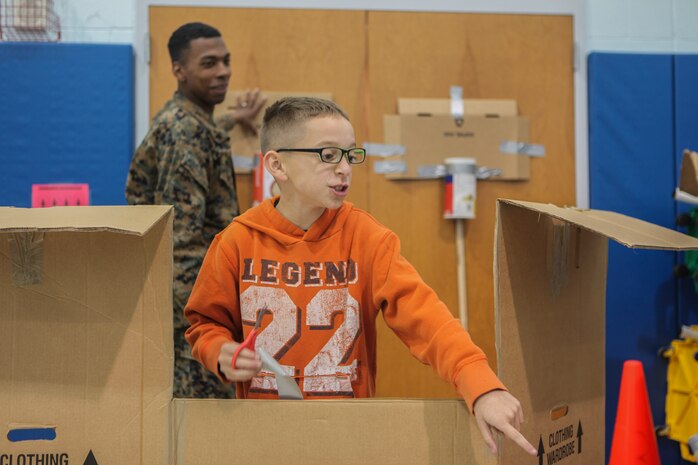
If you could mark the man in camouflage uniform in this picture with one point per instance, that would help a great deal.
(185, 161)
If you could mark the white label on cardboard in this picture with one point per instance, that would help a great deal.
(556, 446)
(374, 149)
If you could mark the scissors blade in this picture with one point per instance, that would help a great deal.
(287, 387)
(258, 322)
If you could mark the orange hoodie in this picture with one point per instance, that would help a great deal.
(321, 291)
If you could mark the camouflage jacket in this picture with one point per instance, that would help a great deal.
(185, 161)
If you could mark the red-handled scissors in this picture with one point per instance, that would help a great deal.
(250, 340)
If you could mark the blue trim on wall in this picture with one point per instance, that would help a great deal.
(67, 118)
(632, 171)
(686, 137)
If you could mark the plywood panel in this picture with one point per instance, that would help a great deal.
(277, 50)
(369, 59)
(527, 58)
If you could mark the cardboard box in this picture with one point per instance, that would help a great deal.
(429, 140)
(550, 297)
(688, 180)
(430, 134)
(242, 143)
(85, 335)
(550, 269)
(86, 331)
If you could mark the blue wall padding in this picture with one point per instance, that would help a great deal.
(632, 171)
(686, 136)
(67, 117)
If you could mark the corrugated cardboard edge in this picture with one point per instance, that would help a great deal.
(628, 231)
(158, 348)
(471, 107)
(133, 219)
(271, 432)
(496, 281)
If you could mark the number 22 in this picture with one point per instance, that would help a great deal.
(325, 374)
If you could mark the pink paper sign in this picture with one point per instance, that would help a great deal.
(60, 195)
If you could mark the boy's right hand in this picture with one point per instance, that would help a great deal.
(500, 411)
(247, 365)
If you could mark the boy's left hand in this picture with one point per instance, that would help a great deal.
(500, 411)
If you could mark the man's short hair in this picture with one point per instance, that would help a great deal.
(285, 113)
(180, 39)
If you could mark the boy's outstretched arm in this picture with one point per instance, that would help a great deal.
(500, 411)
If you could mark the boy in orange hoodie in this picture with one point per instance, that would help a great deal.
(319, 271)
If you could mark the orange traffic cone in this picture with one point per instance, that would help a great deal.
(634, 441)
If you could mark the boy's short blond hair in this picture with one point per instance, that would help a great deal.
(281, 118)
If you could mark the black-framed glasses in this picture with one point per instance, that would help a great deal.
(334, 154)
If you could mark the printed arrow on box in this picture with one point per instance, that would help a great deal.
(90, 459)
(579, 436)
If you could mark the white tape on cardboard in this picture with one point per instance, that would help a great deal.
(390, 167)
(522, 148)
(457, 109)
(431, 171)
(375, 149)
(245, 163)
(484, 172)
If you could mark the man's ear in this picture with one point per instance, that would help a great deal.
(275, 166)
(178, 71)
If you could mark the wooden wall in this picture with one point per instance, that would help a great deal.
(367, 59)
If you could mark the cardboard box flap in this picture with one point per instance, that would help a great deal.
(625, 230)
(688, 179)
(137, 219)
(442, 106)
(550, 296)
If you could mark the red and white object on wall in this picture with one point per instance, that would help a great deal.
(459, 205)
(60, 195)
(460, 188)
